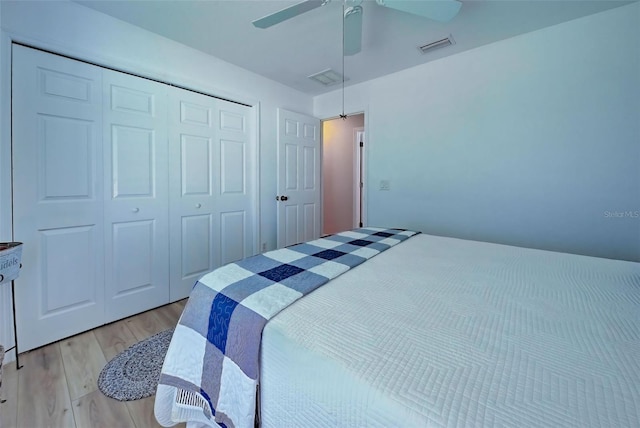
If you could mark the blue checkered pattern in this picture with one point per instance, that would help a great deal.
(220, 329)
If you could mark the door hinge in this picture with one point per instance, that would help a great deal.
(361, 144)
(360, 224)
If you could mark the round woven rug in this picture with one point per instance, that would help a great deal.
(133, 374)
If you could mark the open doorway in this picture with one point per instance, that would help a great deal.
(342, 173)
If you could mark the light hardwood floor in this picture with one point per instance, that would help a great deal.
(57, 387)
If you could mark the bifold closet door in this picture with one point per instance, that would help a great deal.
(57, 195)
(136, 204)
(212, 195)
(125, 192)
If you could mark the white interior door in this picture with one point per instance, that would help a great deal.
(58, 195)
(298, 196)
(136, 203)
(212, 186)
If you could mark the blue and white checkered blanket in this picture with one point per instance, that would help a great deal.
(213, 359)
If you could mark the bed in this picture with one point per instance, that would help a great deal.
(446, 332)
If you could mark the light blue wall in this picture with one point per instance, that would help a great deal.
(530, 141)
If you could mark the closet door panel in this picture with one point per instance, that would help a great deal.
(233, 164)
(193, 159)
(57, 195)
(136, 197)
(133, 274)
(235, 201)
(132, 162)
(196, 245)
(233, 228)
(195, 165)
(212, 186)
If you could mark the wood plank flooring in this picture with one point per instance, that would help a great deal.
(57, 387)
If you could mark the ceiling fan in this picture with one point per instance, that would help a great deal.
(438, 10)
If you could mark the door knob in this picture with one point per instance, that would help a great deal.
(135, 210)
(282, 198)
(198, 205)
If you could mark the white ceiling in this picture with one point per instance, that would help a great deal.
(292, 50)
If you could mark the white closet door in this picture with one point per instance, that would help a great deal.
(192, 156)
(212, 194)
(136, 195)
(236, 169)
(57, 195)
(95, 189)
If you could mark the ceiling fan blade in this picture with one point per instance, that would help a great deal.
(438, 10)
(288, 12)
(352, 30)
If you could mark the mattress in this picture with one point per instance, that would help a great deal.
(441, 332)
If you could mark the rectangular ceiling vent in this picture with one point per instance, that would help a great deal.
(327, 77)
(447, 41)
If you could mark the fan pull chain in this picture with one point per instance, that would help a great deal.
(343, 116)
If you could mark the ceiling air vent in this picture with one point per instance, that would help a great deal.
(327, 77)
(447, 41)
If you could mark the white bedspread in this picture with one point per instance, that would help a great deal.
(445, 332)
